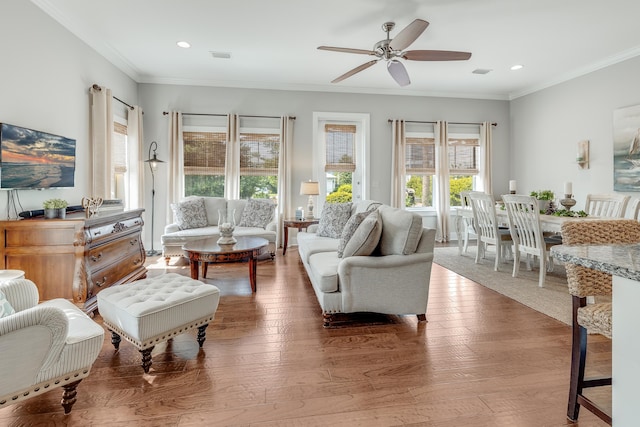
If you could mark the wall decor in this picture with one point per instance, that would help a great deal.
(626, 149)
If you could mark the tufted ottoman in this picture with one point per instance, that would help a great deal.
(153, 310)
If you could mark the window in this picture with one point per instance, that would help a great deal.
(463, 152)
(340, 161)
(259, 157)
(119, 160)
(341, 157)
(204, 162)
(420, 165)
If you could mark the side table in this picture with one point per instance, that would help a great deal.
(295, 223)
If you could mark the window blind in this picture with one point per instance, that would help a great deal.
(340, 147)
(259, 154)
(204, 153)
(463, 155)
(420, 156)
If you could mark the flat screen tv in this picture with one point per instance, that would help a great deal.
(30, 159)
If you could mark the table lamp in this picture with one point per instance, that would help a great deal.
(309, 188)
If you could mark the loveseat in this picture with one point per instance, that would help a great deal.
(198, 217)
(368, 257)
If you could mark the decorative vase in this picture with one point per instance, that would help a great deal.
(61, 213)
(226, 230)
(50, 213)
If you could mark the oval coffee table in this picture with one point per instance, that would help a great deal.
(207, 250)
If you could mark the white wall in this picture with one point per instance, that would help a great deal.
(547, 125)
(45, 75)
(191, 99)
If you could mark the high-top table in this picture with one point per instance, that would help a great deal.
(207, 250)
(623, 263)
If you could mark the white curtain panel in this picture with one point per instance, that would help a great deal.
(101, 130)
(284, 175)
(485, 157)
(398, 164)
(135, 143)
(175, 184)
(441, 187)
(232, 163)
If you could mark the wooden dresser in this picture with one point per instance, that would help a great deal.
(75, 258)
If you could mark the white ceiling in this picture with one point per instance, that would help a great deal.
(273, 43)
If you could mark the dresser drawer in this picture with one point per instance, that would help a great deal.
(114, 274)
(100, 233)
(124, 247)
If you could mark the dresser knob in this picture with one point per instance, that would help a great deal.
(100, 283)
(137, 261)
(96, 258)
(132, 242)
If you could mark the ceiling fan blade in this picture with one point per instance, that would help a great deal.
(354, 71)
(435, 55)
(408, 35)
(398, 72)
(347, 50)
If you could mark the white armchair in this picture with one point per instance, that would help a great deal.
(44, 346)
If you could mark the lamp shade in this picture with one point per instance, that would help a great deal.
(309, 188)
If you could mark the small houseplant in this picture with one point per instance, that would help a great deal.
(55, 208)
(544, 197)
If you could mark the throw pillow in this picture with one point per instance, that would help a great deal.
(333, 219)
(257, 213)
(190, 214)
(401, 231)
(350, 227)
(5, 307)
(366, 237)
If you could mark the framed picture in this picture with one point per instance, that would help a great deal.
(626, 149)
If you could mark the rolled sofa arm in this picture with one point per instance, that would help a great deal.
(171, 228)
(21, 293)
(32, 341)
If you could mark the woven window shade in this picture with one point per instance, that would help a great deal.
(340, 148)
(119, 148)
(204, 153)
(463, 155)
(420, 156)
(259, 154)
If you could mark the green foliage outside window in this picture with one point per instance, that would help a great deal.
(342, 194)
(458, 184)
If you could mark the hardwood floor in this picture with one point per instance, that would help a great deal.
(482, 359)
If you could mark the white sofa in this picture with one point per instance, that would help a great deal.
(191, 225)
(393, 279)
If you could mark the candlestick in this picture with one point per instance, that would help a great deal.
(512, 186)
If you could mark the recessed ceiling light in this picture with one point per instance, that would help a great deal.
(516, 67)
(184, 45)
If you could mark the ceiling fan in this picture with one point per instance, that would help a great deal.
(391, 50)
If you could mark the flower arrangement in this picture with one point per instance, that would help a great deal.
(543, 194)
(54, 204)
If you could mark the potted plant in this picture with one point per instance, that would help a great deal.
(544, 197)
(55, 208)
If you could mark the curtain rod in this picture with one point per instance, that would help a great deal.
(164, 113)
(452, 123)
(96, 87)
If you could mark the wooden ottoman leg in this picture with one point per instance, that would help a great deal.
(69, 395)
(202, 332)
(146, 359)
(115, 340)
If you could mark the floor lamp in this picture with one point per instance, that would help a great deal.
(153, 165)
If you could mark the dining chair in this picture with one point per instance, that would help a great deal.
(468, 226)
(606, 205)
(526, 233)
(633, 209)
(593, 317)
(487, 229)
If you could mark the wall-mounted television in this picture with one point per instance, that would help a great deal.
(31, 159)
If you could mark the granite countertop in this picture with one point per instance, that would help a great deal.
(617, 260)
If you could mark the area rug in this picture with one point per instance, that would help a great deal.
(553, 300)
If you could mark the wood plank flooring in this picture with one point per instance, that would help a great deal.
(482, 359)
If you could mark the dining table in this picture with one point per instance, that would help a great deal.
(623, 263)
